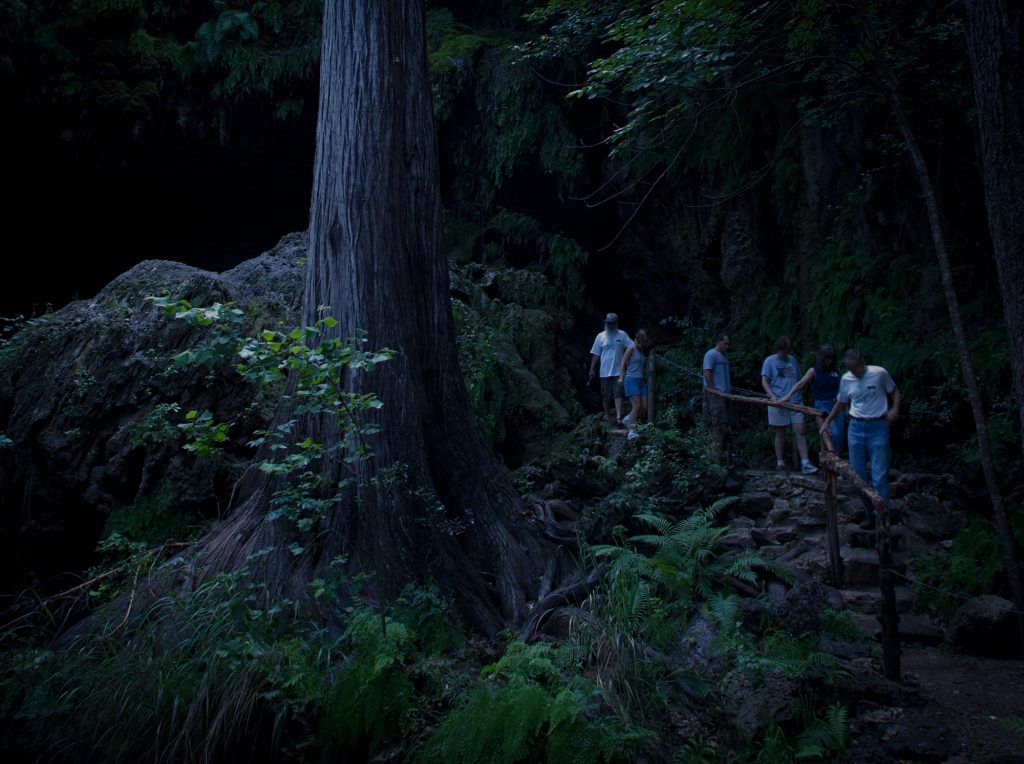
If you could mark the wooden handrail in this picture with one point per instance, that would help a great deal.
(833, 466)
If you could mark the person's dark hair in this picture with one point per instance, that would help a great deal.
(853, 355)
(782, 343)
(642, 339)
(721, 336)
(826, 358)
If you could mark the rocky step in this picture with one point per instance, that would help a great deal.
(858, 537)
(912, 628)
(860, 566)
(869, 600)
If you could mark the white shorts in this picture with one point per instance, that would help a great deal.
(783, 417)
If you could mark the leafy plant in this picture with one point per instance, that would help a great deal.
(529, 706)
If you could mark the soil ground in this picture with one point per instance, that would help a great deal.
(971, 695)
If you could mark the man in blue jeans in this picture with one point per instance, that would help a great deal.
(873, 401)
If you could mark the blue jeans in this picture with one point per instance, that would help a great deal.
(869, 444)
(837, 429)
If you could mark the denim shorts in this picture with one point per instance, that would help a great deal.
(635, 387)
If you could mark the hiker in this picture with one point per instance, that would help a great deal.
(717, 376)
(779, 374)
(631, 376)
(823, 378)
(873, 401)
(607, 351)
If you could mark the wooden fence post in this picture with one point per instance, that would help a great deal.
(888, 616)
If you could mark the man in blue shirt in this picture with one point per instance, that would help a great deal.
(717, 376)
(779, 375)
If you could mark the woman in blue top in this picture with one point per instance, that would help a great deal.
(823, 378)
(634, 365)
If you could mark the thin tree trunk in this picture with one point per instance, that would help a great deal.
(432, 504)
(994, 43)
(1010, 553)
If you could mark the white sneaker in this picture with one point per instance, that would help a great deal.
(808, 469)
(632, 435)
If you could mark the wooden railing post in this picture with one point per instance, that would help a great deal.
(889, 616)
(835, 557)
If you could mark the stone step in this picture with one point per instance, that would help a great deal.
(860, 538)
(869, 600)
(860, 566)
(912, 628)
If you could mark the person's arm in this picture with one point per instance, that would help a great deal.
(767, 387)
(840, 406)
(799, 385)
(595, 352)
(894, 410)
(625, 362)
(709, 381)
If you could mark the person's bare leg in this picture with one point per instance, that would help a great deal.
(634, 412)
(780, 445)
(607, 406)
(801, 440)
(618, 410)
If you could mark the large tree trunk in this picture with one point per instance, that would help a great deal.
(994, 41)
(446, 511)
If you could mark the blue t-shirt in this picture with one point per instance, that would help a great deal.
(825, 384)
(718, 364)
(636, 363)
(782, 375)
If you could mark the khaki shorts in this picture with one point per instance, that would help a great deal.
(783, 417)
(716, 411)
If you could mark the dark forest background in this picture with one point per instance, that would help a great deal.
(186, 131)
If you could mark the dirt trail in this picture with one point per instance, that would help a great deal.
(971, 695)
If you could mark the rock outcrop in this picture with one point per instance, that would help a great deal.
(85, 395)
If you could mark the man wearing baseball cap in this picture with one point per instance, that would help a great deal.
(606, 358)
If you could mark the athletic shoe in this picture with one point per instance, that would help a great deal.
(808, 469)
(632, 435)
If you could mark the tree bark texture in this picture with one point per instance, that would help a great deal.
(432, 504)
(994, 43)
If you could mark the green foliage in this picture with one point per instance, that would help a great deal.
(210, 671)
(825, 737)
(531, 705)
(316, 363)
(373, 696)
(1014, 723)
(156, 427)
(968, 569)
(151, 520)
(203, 434)
(481, 371)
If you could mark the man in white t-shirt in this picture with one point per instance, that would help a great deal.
(873, 401)
(606, 358)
